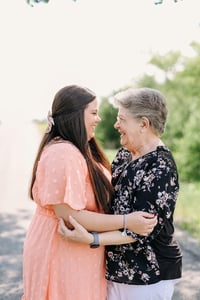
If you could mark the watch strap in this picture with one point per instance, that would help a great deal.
(95, 242)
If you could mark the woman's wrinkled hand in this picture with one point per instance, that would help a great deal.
(141, 222)
(79, 234)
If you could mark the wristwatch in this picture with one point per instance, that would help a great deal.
(95, 243)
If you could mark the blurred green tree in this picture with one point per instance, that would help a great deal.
(182, 91)
(189, 160)
(168, 66)
(105, 132)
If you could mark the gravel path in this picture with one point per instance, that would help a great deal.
(19, 143)
(17, 151)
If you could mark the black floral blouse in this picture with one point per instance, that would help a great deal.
(149, 183)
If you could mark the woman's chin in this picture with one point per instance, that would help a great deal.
(122, 142)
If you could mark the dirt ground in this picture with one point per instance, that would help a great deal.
(16, 210)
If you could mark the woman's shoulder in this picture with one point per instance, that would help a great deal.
(62, 148)
(164, 153)
(163, 158)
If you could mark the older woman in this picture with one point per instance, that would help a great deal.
(144, 177)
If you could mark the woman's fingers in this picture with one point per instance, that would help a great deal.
(62, 229)
(152, 221)
(78, 234)
(61, 223)
(149, 215)
(75, 224)
(141, 222)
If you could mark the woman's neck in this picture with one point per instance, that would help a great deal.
(146, 148)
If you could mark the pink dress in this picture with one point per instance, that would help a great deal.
(54, 269)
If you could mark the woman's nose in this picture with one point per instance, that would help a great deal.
(98, 119)
(116, 125)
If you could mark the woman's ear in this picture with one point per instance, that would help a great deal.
(145, 123)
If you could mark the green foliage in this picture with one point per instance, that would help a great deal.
(189, 144)
(147, 81)
(188, 208)
(167, 63)
(111, 153)
(190, 147)
(182, 92)
(177, 114)
(105, 132)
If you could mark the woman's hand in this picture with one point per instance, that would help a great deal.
(141, 222)
(78, 234)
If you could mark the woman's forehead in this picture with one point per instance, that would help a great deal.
(123, 112)
(94, 104)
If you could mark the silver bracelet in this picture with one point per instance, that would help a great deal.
(124, 226)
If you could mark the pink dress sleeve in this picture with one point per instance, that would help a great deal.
(61, 177)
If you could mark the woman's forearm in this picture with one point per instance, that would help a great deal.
(81, 235)
(114, 238)
(92, 221)
(138, 222)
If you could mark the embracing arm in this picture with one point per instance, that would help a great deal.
(114, 238)
(138, 222)
(81, 235)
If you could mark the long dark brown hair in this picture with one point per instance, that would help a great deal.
(68, 114)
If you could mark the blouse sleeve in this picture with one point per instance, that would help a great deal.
(157, 193)
(121, 156)
(61, 176)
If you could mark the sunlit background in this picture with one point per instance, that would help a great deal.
(104, 45)
(100, 44)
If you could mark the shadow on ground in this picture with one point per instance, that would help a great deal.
(12, 233)
(188, 288)
(13, 227)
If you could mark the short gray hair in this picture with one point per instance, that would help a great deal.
(144, 102)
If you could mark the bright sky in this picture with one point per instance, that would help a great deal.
(101, 44)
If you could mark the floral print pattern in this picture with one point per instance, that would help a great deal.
(149, 183)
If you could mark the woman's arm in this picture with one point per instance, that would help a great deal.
(139, 222)
(80, 235)
(114, 238)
